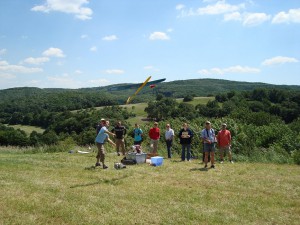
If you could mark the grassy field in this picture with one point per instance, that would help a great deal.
(27, 129)
(198, 100)
(62, 188)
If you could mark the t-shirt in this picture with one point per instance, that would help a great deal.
(208, 134)
(183, 135)
(120, 131)
(137, 134)
(101, 136)
(169, 134)
(154, 133)
(98, 128)
(224, 138)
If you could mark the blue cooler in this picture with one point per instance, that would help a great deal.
(157, 160)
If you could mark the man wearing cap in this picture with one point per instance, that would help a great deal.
(100, 125)
(208, 138)
(154, 134)
(169, 139)
(100, 140)
(224, 143)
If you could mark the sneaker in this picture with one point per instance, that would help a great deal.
(231, 161)
(97, 164)
(205, 166)
(212, 166)
(105, 166)
(221, 161)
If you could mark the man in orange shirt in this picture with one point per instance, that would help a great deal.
(224, 142)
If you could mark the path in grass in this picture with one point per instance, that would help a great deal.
(62, 188)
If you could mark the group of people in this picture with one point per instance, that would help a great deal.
(208, 136)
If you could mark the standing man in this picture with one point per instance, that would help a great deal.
(100, 140)
(154, 134)
(224, 143)
(137, 135)
(185, 135)
(120, 132)
(208, 136)
(100, 125)
(169, 135)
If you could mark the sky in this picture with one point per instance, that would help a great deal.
(91, 43)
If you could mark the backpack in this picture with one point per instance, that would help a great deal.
(128, 161)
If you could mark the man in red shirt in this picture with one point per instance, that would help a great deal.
(154, 134)
(224, 142)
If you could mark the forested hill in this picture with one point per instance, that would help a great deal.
(56, 99)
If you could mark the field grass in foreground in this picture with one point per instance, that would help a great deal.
(62, 188)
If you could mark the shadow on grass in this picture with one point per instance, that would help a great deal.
(113, 181)
(199, 169)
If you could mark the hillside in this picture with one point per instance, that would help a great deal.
(178, 89)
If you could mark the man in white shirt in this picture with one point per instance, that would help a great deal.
(169, 135)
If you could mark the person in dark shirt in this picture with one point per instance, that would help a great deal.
(185, 135)
(120, 132)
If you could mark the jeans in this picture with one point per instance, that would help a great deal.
(188, 148)
(169, 145)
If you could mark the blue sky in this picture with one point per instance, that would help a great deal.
(90, 43)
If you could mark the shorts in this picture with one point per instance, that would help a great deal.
(209, 147)
(224, 149)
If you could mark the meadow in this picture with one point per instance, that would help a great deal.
(63, 188)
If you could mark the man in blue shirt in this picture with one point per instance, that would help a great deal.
(209, 138)
(100, 140)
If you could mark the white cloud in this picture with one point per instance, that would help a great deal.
(148, 67)
(233, 16)
(54, 52)
(248, 19)
(36, 61)
(253, 19)
(169, 30)
(279, 60)
(220, 7)
(232, 69)
(110, 38)
(114, 71)
(3, 51)
(292, 16)
(159, 36)
(180, 6)
(33, 82)
(78, 72)
(7, 76)
(8, 68)
(84, 36)
(93, 49)
(66, 6)
(99, 82)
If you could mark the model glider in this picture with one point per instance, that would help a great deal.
(132, 86)
(138, 90)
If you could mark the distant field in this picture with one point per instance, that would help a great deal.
(27, 129)
(62, 188)
(139, 108)
(198, 100)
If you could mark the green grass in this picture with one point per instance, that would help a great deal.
(62, 188)
(197, 100)
(27, 129)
